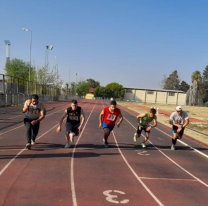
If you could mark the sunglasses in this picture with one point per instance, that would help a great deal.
(178, 111)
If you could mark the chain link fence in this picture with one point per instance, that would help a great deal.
(14, 91)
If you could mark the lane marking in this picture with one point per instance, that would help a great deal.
(143, 153)
(24, 125)
(74, 199)
(110, 197)
(196, 150)
(172, 160)
(134, 173)
(172, 179)
(137, 177)
(9, 163)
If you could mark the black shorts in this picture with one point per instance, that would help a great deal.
(72, 128)
(174, 128)
(142, 128)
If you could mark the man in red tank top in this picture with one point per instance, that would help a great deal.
(107, 120)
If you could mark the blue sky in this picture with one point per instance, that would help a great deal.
(132, 42)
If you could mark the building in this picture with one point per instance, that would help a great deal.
(160, 96)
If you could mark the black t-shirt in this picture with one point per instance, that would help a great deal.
(74, 115)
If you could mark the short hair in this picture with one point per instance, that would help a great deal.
(74, 101)
(113, 102)
(34, 96)
(153, 111)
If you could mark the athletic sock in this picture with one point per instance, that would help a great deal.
(174, 141)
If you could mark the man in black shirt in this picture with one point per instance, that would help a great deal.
(74, 121)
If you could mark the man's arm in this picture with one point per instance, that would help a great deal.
(101, 118)
(83, 120)
(120, 119)
(26, 105)
(61, 121)
(186, 123)
(155, 122)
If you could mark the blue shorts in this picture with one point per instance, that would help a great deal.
(108, 126)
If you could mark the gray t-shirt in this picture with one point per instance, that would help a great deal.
(178, 118)
(33, 112)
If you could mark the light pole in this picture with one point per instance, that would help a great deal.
(76, 81)
(55, 57)
(46, 57)
(30, 47)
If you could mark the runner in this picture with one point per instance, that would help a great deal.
(34, 113)
(107, 120)
(74, 122)
(144, 124)
(179, 119)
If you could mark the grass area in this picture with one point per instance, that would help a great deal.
(200, 113)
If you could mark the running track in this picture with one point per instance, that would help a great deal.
(88, 174)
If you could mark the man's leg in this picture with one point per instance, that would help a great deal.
(145, 139)
(137, 134)
(28, 125)
(174, 140)
(106, 135)
(68, 130)
(35, 129)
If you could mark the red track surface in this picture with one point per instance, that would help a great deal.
(89, 174)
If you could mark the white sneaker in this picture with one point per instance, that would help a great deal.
(71, 137)
(143, 145)
(67, 145)
(33, 142)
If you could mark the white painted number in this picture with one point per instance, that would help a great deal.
(143, 153)
(111, 198)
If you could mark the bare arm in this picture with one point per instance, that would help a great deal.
(120, 120)
(186, 123)
(155, 122)
(101, 118)
(83, 120)
(61, 121)
(26, 105)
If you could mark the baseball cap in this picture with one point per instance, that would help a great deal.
(179, 108)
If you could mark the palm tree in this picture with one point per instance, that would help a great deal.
(196, 79)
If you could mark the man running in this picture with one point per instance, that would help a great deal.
(74, 122)
(34, 113)
(179, 119)
(107, 120)
(144, 121)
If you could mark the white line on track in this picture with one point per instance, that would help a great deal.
(173, 160)
(138, 178)
(134, 173)
(74, 199)
(196, 150)
(154, 178)
(23, 124)
(7, 165)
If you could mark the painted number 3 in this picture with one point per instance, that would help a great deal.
(111, 198)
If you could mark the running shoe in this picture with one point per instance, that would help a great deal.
(67, 145)
(172, 147)
(135, 137)
(28, 146)
(106, 145)
(105, 141)
(143, 145)
(33, 142)
(71, 137)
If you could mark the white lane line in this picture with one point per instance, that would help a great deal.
(74, 199)
(173, 160)
(154, 178)
(10, 162)
(138, 178)
(196, 150)
(23, 124)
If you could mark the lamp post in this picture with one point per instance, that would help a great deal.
(30, 47)
(46, 57)
(76, 81)
(55, 57)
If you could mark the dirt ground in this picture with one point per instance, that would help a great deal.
(195, 112)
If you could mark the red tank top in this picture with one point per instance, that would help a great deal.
(110, 118)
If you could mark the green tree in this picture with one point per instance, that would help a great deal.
(82, 88)
(73, 87)
(92, 83)
(184, 86)
(115, 90)
(204, 85)
(172, 82)
(20, 69)
(100, 92)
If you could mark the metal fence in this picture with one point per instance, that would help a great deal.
(14, 91)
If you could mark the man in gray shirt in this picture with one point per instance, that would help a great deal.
(34, 113)
(179, 119)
